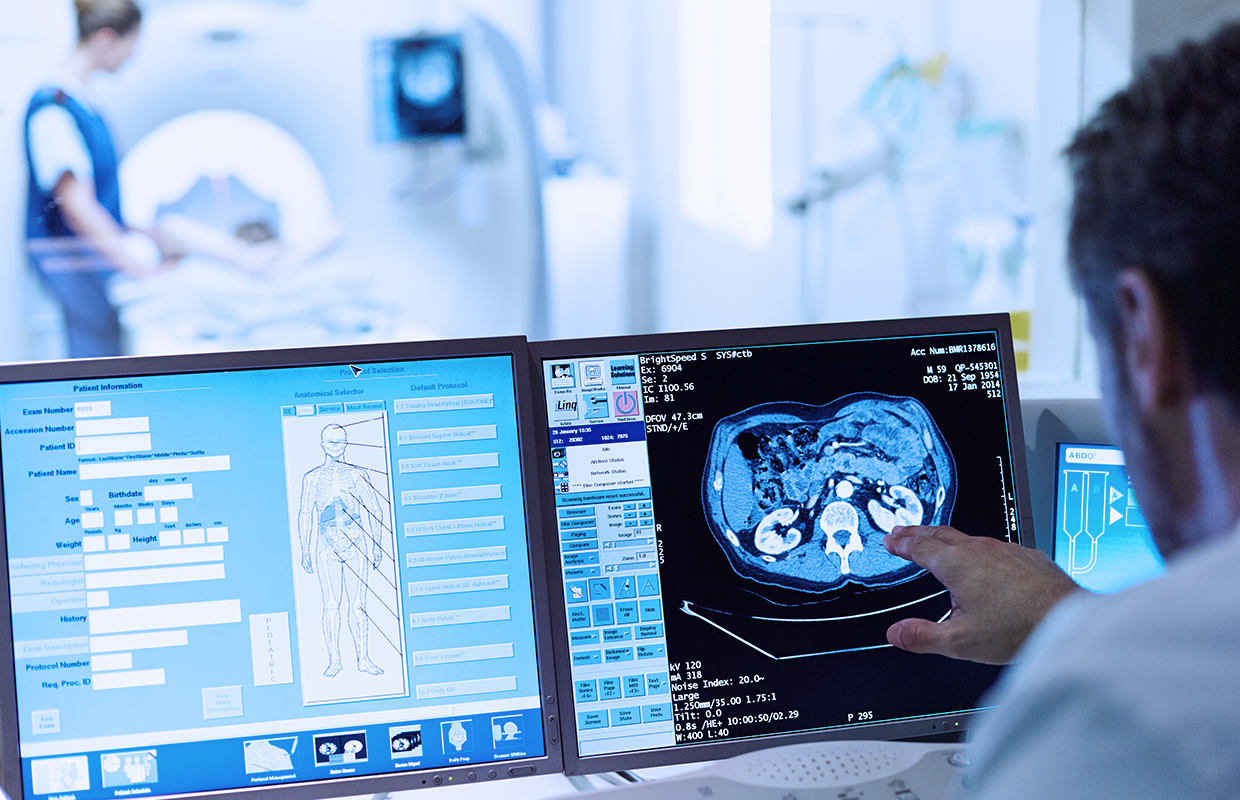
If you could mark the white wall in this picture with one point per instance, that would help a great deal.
(615, 75)
(1091, 41)
(612, 71)
(1160, 25)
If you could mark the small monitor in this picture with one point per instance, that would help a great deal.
(305, 573)
(419, 86)
(1101, 538)
(719, 501)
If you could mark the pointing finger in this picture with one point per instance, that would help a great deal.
(922, 544)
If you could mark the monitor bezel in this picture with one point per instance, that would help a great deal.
(540, 351)
(11, 765)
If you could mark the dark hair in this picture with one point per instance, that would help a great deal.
(255, 232)
(122, 16)
(1157, 188)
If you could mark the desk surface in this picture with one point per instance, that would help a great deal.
(538, 787)
(534, 788)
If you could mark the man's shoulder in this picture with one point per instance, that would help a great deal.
(1155, 665)
(1166, 624)
(57, 94)
(49, 102)
(1200, 590)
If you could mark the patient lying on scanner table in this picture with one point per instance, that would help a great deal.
(240, 284)
(222, 218)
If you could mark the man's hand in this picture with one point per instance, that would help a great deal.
(1000, 592)
(90, 221)
(306, 563)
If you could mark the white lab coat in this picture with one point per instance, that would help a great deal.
(1133, 696)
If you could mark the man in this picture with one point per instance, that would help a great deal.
(74, 232)
(1135, 695)
(339, 504)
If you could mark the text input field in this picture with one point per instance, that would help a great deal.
(173, 615)
(106, 662)
(138, 641)
(105, 427)
(149, 467)
(127, 679)
(120, 443)
(152, 577)
(92, 408)
(168, 491)
(153, 558)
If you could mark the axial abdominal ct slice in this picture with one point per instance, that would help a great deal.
(800, 496)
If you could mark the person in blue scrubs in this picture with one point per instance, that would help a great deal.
(74, 230)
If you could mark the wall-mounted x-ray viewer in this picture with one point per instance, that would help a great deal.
(419, 87)
(1101, 537)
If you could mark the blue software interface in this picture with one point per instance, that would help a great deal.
(232, 579)
(1101, 538)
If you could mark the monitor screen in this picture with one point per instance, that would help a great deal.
(1101, 538)
(720, 500)
(303, 572)
(419, 87)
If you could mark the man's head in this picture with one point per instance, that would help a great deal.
(1157, 180)
(1154, 248)
(109, 29)
(334, 440)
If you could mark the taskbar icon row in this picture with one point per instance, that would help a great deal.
(172, 769)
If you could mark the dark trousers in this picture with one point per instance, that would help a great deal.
(92, 326)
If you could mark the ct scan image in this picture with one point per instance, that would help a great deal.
(800, 496)
(771, 501)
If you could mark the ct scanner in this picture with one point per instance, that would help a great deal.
(436, 238)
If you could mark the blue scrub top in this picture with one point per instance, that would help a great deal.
(75, 273)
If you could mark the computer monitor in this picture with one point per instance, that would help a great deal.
(720, 500)
(419, 87)
(1101, 538)
(302, 572)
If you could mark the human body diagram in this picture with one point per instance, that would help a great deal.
(343, 547)
(339, 544)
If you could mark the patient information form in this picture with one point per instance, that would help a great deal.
(290, 571)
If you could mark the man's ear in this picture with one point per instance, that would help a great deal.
(1149, 344)
(102, 38)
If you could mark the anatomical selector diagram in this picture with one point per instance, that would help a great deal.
(799, 496)
(339, 541)
(345, 549)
